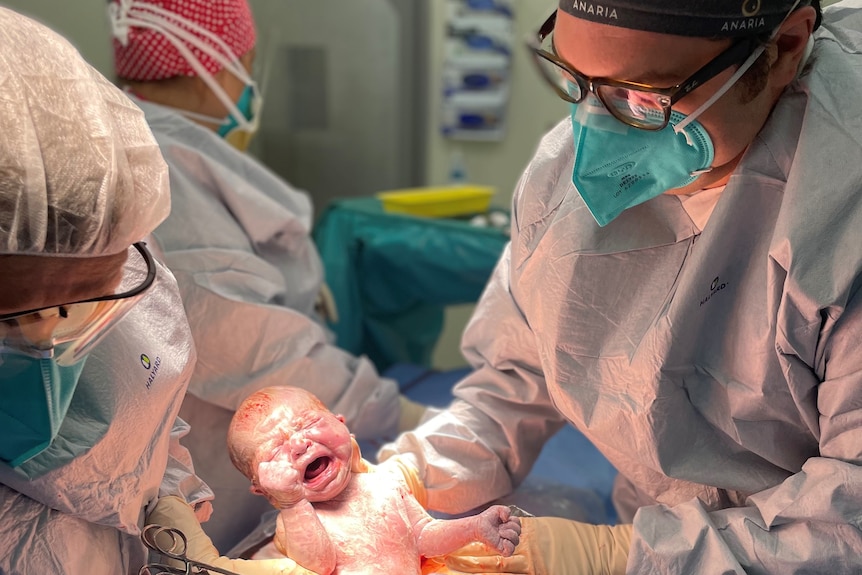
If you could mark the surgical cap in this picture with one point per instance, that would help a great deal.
(80, 171)
(143, 51)
(701, 18)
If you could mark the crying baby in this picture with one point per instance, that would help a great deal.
(337, 515)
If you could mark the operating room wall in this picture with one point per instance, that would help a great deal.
(533, 109)
(83, 22)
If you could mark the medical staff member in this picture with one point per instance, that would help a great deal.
(95, 351)
(237, 240)
(683, 285)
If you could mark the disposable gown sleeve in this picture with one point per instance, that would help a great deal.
(180, 478)
(245, 342)
(37, 539)
(810, 523)
(484, 445)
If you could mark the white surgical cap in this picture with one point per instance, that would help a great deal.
(80, 172)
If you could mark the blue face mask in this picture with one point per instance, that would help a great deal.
(34, 397)
(617, 166)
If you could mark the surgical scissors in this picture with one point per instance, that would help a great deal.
(172, 544)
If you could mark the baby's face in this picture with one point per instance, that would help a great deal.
(308, 453)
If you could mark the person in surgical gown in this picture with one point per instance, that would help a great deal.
(95, 350)
(687, 296)
(238, 241)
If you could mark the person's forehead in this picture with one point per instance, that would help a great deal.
(287, 416)
(32, 282)
(602, 50)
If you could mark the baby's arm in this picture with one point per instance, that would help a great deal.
(299, 534)
(495, 527)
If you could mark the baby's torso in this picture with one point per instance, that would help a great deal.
(370, 528)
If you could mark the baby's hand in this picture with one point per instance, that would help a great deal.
(280, 483)
(498, 528)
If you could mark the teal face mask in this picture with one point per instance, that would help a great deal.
(618, 167)
(35, 394)
(246, 106)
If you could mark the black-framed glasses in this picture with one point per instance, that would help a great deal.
(81, 324)
(638, 105)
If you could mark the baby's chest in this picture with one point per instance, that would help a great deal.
(370, 527)
(370, 507)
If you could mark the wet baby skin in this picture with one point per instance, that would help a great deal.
(334, 517)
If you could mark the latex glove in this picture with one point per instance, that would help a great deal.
(325, 306)
(357, 463)
(552, 546)
(171, 511)
(403, 467)
(411, 414)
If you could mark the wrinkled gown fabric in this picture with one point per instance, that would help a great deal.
(85, 515)
(237, 240)
(719, 371)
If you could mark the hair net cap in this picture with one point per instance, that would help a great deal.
(143, 52)
(701, 18)
(80, 171)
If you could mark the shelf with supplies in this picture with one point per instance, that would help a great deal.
(476, 69)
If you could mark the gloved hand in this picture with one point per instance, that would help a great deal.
(357, 463)
(171, 511)
(552, 546)
(411, 414)
(325, 306)
(402, 467)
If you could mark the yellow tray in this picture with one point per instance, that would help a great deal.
(440, 202)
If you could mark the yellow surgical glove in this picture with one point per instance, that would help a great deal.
(357, 463)
(411, 414)
(398, 465)
(171, 511)
(552, 546)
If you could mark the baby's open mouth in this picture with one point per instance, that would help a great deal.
(316, 467)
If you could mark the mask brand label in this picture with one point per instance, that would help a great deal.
(620, 170)
(594, 9)
(743, 24)
(627, 181)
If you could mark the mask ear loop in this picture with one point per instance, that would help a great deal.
(731, 81)
(721, 92)
(263, 66)
(174, 34)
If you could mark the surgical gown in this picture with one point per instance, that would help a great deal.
(237, 239)
(718, 370)
(82, 509)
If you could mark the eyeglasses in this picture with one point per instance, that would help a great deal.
(638, 105)
(81, 324)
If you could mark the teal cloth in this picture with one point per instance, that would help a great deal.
(392, 275)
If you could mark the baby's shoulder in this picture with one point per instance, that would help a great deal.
(380, 482)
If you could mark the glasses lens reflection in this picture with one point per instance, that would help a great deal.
(634, 107)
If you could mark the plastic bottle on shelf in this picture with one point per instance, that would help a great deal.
(457, 169)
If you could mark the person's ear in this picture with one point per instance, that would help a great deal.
(223, 78)
(200, 92)
(340, 418)
(791, 42)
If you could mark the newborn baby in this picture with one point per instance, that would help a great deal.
(335, 517)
